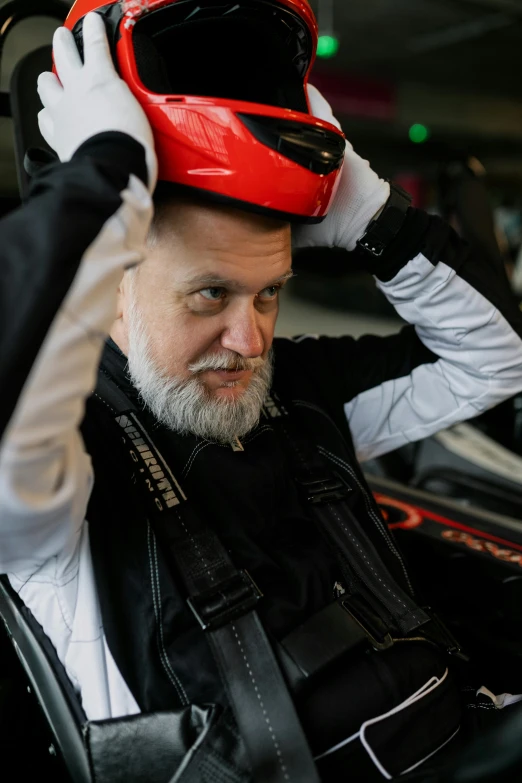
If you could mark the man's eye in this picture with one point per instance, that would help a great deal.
(270, 292)
(212, 294)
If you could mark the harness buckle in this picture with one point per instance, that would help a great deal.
(376, 633)
(327, 489)
(231, 598)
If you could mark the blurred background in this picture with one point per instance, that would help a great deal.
(430, 91)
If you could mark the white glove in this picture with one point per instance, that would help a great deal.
(91, 97)
(360, 196)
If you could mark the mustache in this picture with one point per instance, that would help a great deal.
(227, 361)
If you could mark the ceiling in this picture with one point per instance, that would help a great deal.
(473, 45)
(456, 66)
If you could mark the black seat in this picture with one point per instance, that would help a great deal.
(25, 105)
(468, 489)
(49, 683)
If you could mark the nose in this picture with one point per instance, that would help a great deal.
(243, 333)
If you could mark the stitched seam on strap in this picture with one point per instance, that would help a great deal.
(201, 557)
(359, 548)
(156, 599)
(317, 409)
(261, 704)
(105, 403)
(384, 532)
(158, 593)
(341, 463)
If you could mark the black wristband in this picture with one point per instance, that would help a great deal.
(382, 231)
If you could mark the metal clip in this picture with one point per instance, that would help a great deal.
(379, 639)
(230, 599)
(327, 489)
(441, 634)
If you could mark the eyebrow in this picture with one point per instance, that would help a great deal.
(212, 281)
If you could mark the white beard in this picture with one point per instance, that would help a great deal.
(186, 406)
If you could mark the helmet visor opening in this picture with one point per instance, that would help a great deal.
(254, 51)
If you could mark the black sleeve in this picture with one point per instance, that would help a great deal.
(43, 242)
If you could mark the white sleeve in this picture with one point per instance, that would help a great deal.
(463, 356)
(45, 474)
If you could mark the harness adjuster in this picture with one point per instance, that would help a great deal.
(377, 634)
(327, 489)
(230, 599)
(437, 631)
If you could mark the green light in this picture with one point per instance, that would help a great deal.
(327, 46)
(419, 133)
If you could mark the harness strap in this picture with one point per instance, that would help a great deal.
(223, 601)
(373, 598)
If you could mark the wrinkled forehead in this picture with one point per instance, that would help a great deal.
(193, 240)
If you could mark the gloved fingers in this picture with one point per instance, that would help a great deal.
(320, 107)
(49, 89)
(46, 126)
(95, 44)
(66, 56)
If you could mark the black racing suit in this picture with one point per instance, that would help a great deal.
(356, 399)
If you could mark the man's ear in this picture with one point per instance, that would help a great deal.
(118, 329)
(120, 299)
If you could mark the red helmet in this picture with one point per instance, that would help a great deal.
(223, 84)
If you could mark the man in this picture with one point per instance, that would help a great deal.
(217, 411)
